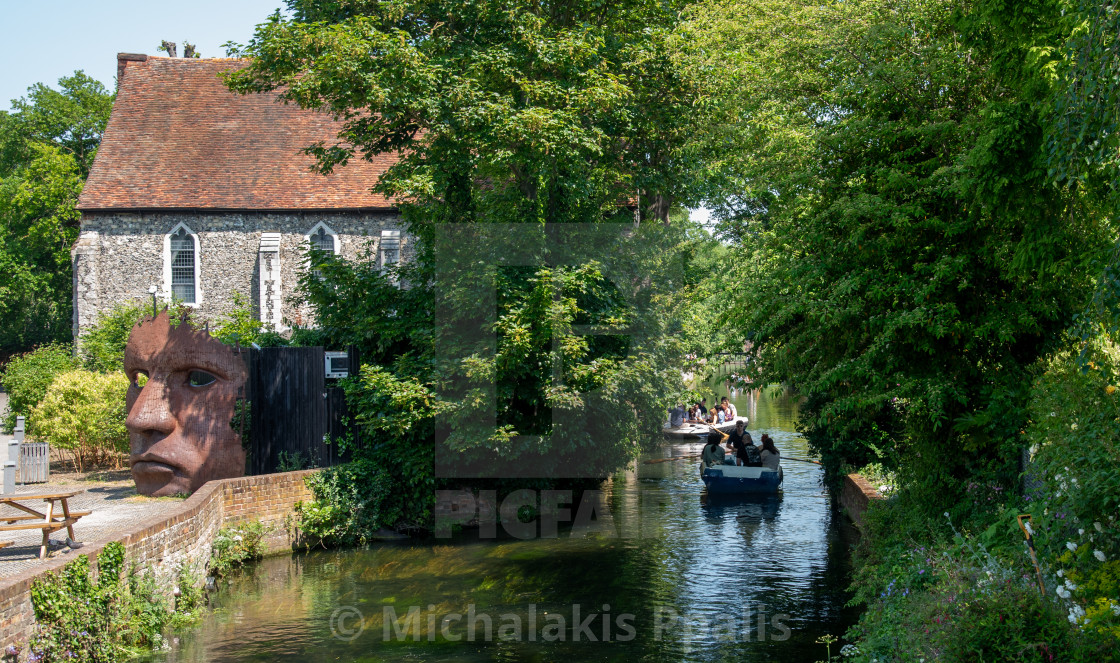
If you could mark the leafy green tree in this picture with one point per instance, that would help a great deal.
(47, 146)
(520, 113)
(72, 117)
(243, 326)
(905, 264)
(27, 377)
(500, 111)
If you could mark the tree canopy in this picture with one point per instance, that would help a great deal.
(523, 118)
(47, 146)
(909, 262)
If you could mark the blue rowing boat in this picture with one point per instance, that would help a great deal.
(735, 480)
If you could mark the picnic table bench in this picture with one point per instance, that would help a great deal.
(48, 522)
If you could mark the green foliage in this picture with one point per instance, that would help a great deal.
(102, 345)
(908, 264)
(243, 326)
(234, 547)
(47, 145)
(294, 461)
(351, 502)
(1075, 435)
(38, 225)
(27, 377)
(191, 600)
(71, 118)
(99, 621)
(84, 413)
(954, 601)
(549, 113)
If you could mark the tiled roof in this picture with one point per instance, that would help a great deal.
(178, 139)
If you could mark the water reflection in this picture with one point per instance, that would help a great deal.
(755, 578)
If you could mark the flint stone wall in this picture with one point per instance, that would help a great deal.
(119, 255)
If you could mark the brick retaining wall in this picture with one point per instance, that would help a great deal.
(855, 495)
(167, 542)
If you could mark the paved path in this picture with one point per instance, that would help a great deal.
(115, 505)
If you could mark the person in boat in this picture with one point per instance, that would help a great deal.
(771, 459)
(704, 410)
(676, 416)
(735, 441)
(713, 453)
(731, 407)
(718, 416)
(751, 452)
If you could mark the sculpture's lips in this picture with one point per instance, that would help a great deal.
(153, 467)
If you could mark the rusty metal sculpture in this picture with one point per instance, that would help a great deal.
(182, 400)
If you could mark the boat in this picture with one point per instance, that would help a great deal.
(736, 480)
(701, 430)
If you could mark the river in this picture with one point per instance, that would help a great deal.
(737, 580)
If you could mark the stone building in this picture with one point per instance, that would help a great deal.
(200, 193)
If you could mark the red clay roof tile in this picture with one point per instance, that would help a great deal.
(179, 139)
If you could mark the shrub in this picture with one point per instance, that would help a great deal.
(349, 506)
(27, 376)
(84, 413)
(98, 621)
(242, 325)
(1075, 435)
(955, 601)
(234, 547)
(102, 345)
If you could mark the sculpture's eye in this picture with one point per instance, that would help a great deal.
(140, 379)
(200, 379)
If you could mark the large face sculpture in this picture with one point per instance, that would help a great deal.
(181, 402)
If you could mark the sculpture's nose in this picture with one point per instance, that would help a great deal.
(150, 416)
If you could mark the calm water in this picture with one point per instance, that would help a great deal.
(741, 580)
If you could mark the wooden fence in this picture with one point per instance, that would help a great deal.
(298, 415)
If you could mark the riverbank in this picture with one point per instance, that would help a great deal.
(179, 535)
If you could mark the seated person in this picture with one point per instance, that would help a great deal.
(713, 453)
(751, 454)
(731, 407)
(769, 454)
(736, 442)
(676, 416)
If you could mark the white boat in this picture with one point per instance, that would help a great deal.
(701, 430)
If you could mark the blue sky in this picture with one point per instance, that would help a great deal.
(43, 40)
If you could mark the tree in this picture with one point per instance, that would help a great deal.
(47, 146)
(553, 112)
(905, 263)
(537, 115)
(71, 118)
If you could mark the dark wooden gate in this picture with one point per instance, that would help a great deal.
(294, 409)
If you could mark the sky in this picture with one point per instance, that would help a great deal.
(44, 40)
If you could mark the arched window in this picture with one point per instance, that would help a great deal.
(322, 238)
(181, 265)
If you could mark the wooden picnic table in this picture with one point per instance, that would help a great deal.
(49, 522)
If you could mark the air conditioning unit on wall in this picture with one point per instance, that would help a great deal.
(337, 364)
